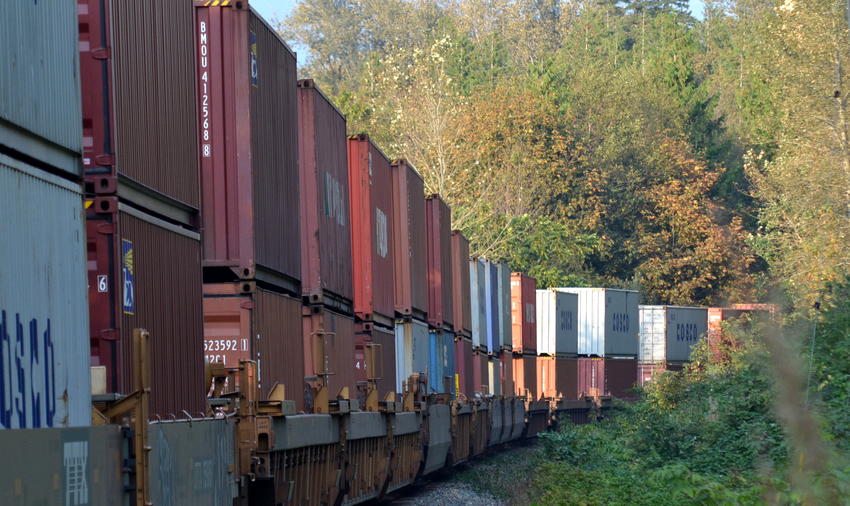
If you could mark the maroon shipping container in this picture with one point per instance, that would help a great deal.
(438, 218)
(371, 231)
(243, 322)
(481, 373)
(409, 243)
(525, 376)
(146, 273)
(523, 313)
(366, 335)
(329, 349)
(464, 362)
(611, 376)
(506, 374)
(248, 149)
(325, 230)
(461, 297)
(137, 78)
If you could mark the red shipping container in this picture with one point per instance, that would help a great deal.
(438, 218)
(249, 159)
(368, 334)
(461, 296)
(558, 377)
(507, 374)
(523, 313)
(647, 372)
(329, 349)
(137, 123)
(243, 322)
(146, 273)
(409, 242)
(325, 230)
(464, 361)
(612, 376)
(481, 373)
(546, 374)
(525, 376)
(371, 231)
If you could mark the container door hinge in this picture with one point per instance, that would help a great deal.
(101, 53)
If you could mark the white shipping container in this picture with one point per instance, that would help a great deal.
(504, 288)
(668, 333)
(494, 369)
(478, 298)
(44, 316)
(557, 332)
(607, 321)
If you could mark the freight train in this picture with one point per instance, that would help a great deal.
(212, 294)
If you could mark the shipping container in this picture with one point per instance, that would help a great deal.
(478, 303)
(668, 333)
(145, 272)
(441, 362)
(244, 322)
(506, 374)
(607, 376)
(40, 84)
(378, 342)
(371, 231)
(409, 242)
(494, 377)
(329, 350)
(504, 288)
(412, 349)
(481, 373)
(557, 332)
(461, 285)
(249, 160)
(491, 306)
(139, 128)
(438, 220)
(557, 377)
(525, 376)
(717, 338)
(523, 313)
(464, 357)
(608, 321)
(325, 230)
(46, 382)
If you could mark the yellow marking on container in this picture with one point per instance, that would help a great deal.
(88, 203)
(215, 3)
(225, 3)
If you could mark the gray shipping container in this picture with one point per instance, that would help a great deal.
(44, 316)
(668, 333)
(607, 321)
(40, 82)
(504, 287)
(557, 332)
(411, 350)
(478, 299)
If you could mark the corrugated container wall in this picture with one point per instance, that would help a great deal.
(524, 313)
(491, 307)
(607, 376)
(40, 82)
(409, 241)
(42, 301)
(558, 377)
(135, 122)
(668, 333)
(248, 130)
(438, 232)
(557, 333)
(441, 366)
(507, 374)
(384, 350)
(371, 231)
(481, 373)
(412, 350)
(465, 368)
(525, 376)
(329, 349)
(478, 301)
(258, 325)
(146, 273)
(325, 228)
(608, 321)
(461, 285)
(494, 378)
(504, 289)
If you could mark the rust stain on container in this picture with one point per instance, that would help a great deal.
(146, 273)
(371, 230)
(409, 243)
(258, 325)
(461, 296)
(523, 313)
(332, 332)
(525, 376)
(139, 103)
(323, 161)
(247, 119)
(438, 232)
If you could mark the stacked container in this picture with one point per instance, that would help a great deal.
(491, 307)
(440, 297)
(667, 335)
(524, 334)
(372, 261)
(409, 252)
(503, 287)
(247, 117)
(140, 157)
(557, 344)
(717, 339)
(42, 250)
(479, 299)
(462, 309)
(608, 337)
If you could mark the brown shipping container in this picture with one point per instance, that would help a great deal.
(334, 333)
(464, 362)
(461, 297)
(146, 273)
(371, 231)
(481, 373)
(438, 219)
(325, 230)
(525, 376)
(243, 322)
(248, 147)
(386, 370)
(507, 374)
(409, 243)
(138, 91)
(546, 374)
(611, 376)
(566, 377)
(523, 313)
